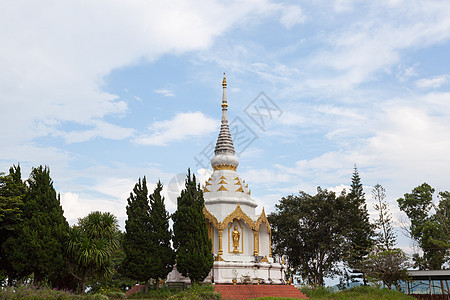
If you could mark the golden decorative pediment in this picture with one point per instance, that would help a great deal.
(223, 177)
(262, 218)
(238, 213)
(205, 190)
(265, 259)
(210, 217)
(222, 182)
(240, 189)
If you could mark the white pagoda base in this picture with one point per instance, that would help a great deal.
(247, 270)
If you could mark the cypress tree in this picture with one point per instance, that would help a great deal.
(191, 241)
(163, 256)
(39, 246)
(12, 192)
(137, 242)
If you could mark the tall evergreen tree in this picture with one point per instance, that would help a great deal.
(163, 256)
(39, 246)
(386, 237)
(12, 192)
(137, 242)
(191, 241)
(361, 232)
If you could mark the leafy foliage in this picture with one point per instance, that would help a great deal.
(191, 241)
(386, 237)
(388, 266)
(91, 245)
(311, 231)
(429, 230)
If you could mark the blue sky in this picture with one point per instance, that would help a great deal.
(105, 92)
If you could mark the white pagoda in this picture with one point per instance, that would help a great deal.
(241, 239)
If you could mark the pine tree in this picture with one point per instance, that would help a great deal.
(361, 231)
(191, 241)
(137, 243)
(386, 237)
(39, 246)
(163, 256)
(12, 192)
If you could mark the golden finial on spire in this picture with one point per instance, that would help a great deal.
(224, 81)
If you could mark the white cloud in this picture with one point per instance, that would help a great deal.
(183, 126)
(292, 15)
(101, 129)
(435, 82)
(54, 56)
(165, 92)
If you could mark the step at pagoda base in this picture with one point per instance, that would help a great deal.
(229, 291)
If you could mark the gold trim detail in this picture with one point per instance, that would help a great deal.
(209, 179)
(255, 242)
(265, 259)
(223, 177)
(207, 183)
(205, 190)
(222, 182)
(262, 218)
(225, 167)
(211, 217)
(224, 105)
(237, 214)
(240, 189)
(246, 186)
(220, 252)
(211, 235)
(219, 258)
(237, 178)
(222, 188)
(249, 192)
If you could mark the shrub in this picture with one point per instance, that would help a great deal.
(34, 293)
(315, 292)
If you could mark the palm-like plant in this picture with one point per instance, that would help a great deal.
(91, 245)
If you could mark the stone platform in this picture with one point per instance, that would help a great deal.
(229, 291)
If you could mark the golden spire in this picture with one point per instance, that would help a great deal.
(224, 81)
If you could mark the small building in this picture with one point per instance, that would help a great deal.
(424, 284)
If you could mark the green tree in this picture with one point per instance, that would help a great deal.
(360, 233)
(38, 248)
(147, 238)
(191, 241)
(12, 192)
(137, 242)
(388, 266)
(163, 256)
(428, 229)
(90, 247)
(311, 231)
(386, 237)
